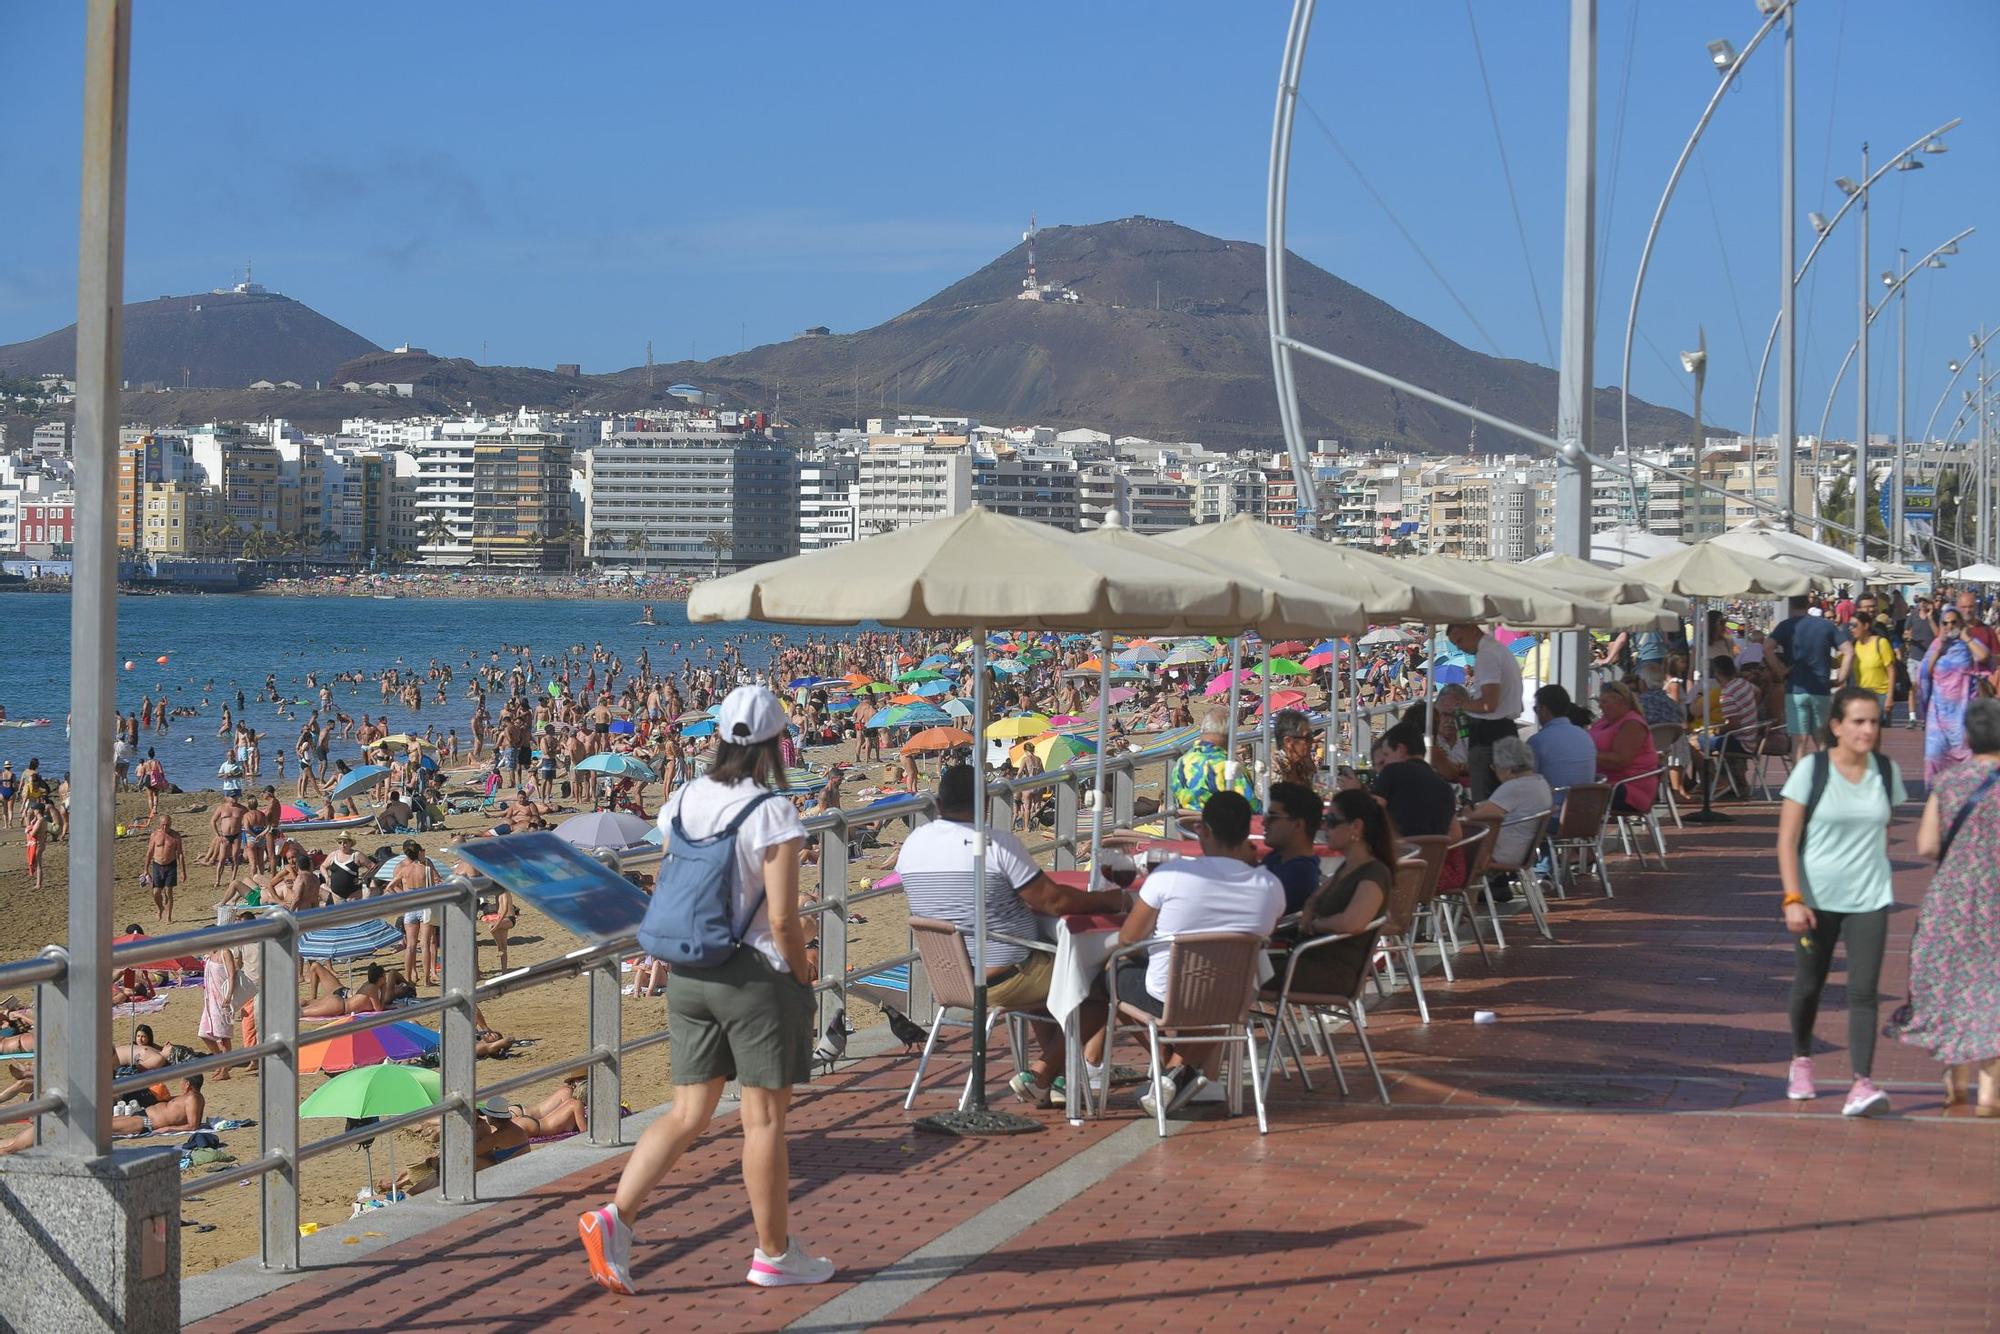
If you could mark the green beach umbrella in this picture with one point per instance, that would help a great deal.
(373, 1090)
(1282, 667)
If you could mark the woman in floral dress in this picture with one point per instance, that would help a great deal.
(1946, 682)
(1954, 1007)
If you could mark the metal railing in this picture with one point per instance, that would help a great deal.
(276, 934)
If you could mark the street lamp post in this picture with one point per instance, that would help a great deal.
(1902, 289)
(1860, 488)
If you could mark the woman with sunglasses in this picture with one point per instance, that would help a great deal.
(1947, 681)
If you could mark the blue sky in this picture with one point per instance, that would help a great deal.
(561, 183)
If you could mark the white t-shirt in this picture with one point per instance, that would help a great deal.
(935, 866)
(1208, 894)
(1522, 799)
(1493, 663)
(705, 806)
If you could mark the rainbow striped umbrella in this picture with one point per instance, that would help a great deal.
(337, 1051)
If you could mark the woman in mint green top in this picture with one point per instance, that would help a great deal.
(1839, 887)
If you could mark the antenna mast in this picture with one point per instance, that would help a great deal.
(1029, 236)
(649, 364)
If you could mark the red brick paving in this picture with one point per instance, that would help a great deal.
(1531, 1174)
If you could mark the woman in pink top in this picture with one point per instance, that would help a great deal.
(1624, 748)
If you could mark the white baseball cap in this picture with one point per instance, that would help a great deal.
(750, 714)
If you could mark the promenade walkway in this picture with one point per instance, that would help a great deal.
(1615, 1150)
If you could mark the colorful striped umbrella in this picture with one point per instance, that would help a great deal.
(400, 1041)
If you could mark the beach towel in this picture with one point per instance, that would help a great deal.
(152, 1005)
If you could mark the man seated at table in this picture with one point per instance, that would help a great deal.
(935, 864)
(1564, 752)
(1418, 798)
(1222, 890)
(1291, 823)
(1204, 769)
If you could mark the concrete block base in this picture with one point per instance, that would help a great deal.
(91, 1244)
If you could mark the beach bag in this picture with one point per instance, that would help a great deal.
(691, 921)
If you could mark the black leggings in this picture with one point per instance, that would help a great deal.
(1867, 935)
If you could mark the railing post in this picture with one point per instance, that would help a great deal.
(1067, 805)
(461, 977)
(278, 1091)
(604, 1090)
(833, 890)
(1123, 791)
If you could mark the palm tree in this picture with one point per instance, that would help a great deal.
(437, 532)
(570, 535)
(719, 542)
(329, 540)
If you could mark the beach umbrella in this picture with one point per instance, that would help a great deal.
(1282, 667)
(706, 727)
(358, 779)
(623, 727)
(1626, 545)
(186, 963)
(931, 689)
(403, 741)
(1284, 699)
(288, 813)
(1123, 694)
(1144, 654)
(957, 708)
(604, 829)
(1222, 681)
(936, 741)
(1188, 655)
(921, 674)
(1981, 573)
(330, 1051)
(1517, 599)
(619, 766)
(875, 688)
(858, 679)
(1290, 648)
(1388, 634)
(1317, 661)
(378, 1091)
(842, 706)
(1800, 552)
(1387, 589)
(936, 660)
(1020, 725)
(1005, 668)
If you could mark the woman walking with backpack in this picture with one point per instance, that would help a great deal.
(727, 899)
(1954, 1006)
(1833, 857)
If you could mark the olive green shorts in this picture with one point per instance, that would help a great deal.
(743, 1020)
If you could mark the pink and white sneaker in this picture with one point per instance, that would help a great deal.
(794, 1266)
(1864, 1099)
(607, 1242)
(1799, 1086)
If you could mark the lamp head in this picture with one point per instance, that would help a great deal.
(1953, 367)
(1934, 263)
(1909, 164)
(1846, 186)
(1721, 54)
(1935, 146)
(1819, 223)
(1769, 7)
(1948, 248)
(1888, 279)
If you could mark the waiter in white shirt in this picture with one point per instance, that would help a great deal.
(1496, 700)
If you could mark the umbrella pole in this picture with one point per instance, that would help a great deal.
(1699, 753)
(1264, 779)
(974, 1118)
(1103, 743)
(1235, 670)
(1333, 721)
(1430, 689)
(1353, 702)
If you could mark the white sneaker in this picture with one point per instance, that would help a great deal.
(794, 1266)
(607, 1243)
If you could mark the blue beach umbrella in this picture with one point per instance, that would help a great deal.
(360, 778)
(704, 728)
(619, 766)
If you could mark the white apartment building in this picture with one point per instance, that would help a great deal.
(829, 496)
(1149, 501)
(1225, 492)
(906, 480)
(690, 499)
(444, 494)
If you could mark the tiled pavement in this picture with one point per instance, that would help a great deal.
(1615, 1150)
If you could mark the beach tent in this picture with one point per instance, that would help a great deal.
(1981, 573)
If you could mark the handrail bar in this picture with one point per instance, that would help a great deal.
(51, 965)
(195, 1065)
(229, 1174)
(34, 1107)
(451, 1102)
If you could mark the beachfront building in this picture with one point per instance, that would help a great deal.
(180, 519)
(520, 500)
(48, 526)
(152, 457)
(691, 496)
(829, 494)
(243, 471)
(444, 489)
(1038, 484)
(1149, 500)
(910, 479)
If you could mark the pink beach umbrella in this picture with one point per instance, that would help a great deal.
(1223, 681)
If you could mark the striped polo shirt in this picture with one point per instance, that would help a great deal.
(935, 865)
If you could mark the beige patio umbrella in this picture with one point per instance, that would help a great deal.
(1705, 571)
(1286, 607)
(1757, 538)
(975, 570)
(1603, 582)
(1523, 602)
(1390, 590)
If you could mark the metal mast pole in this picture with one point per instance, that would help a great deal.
(1788, 393)
(83, 1041)
(1574, 424)
(1984, 510)
(1860, 488)
(1902, 375)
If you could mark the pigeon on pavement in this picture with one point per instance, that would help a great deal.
(906, 1031)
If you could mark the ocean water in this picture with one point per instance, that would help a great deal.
(216, 645)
